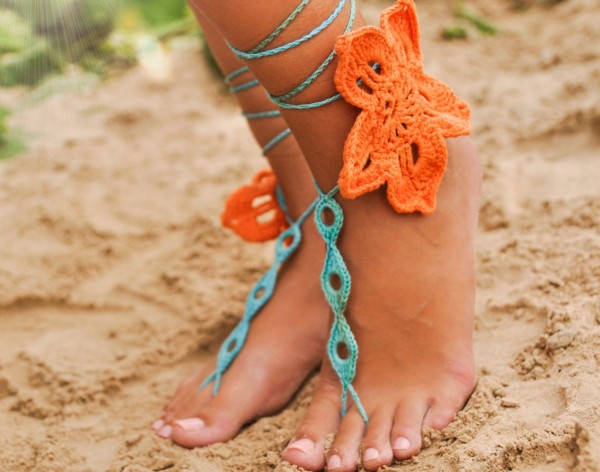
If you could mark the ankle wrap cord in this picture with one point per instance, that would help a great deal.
(256, 115)
(398, 140)
(254, 211)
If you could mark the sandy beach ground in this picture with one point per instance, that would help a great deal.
(116, 279)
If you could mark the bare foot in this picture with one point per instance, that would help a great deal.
(284, 345)
(411, 310)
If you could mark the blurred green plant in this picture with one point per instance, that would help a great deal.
(156, 13)
(454, 32)
(526, 4)
(10, 144)
(482, 24)
(39, 38)
(469, 19)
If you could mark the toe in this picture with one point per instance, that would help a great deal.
(376, 448)
(212, 424)
(344, 453)
(438, 416)
(165, 431)
(406, 431)
(158, 424)
(307, 449)
(187, 397)
(187, 404)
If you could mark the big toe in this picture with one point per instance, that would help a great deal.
(322, 418)
(210, 426)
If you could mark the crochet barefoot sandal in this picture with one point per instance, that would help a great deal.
(398, 140)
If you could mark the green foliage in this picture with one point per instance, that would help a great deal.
(526, 4)
(471, 20)
(454, 32)
(15, 33)
(482, 24)
(41, 37)
(10, 145)
(29, 66)
(156, 13)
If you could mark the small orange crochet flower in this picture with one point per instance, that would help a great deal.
(253, 211)
(399, 137)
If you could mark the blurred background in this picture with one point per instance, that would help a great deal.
(54, 46)
(51, 46)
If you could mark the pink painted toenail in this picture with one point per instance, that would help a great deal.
(334, 462)
(165, 431)
(401, 444)
(190, 424)
(157, 425)
(370, 454)
(304, 445)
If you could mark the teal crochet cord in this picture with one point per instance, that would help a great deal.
(335, 278)
(260, 114)
(286, 245)
(336, 283)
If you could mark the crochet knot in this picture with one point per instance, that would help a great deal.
(398, 139)
(253, 211)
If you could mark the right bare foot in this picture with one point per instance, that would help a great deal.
(284, 345)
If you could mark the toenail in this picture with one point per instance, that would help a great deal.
(334, 462)
(157, 425)
(304, 445)
(190, 424)
(370, 454)
(401, 444)
(165, 431)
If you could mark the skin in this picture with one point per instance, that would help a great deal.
(411, 306)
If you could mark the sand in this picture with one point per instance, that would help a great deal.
(116, 279)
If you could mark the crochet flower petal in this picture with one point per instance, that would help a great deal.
(451, 126)
(443, 99)
(422, 166)
(253, 212)
(364, 169)
(401, 28)
(357, 77)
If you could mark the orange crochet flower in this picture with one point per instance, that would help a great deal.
(399, 137)
(253, 212)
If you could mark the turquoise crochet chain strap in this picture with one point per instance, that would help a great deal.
(261, 293)
(342, 347)
(336, 282)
